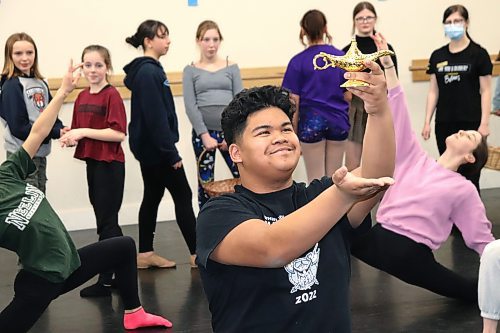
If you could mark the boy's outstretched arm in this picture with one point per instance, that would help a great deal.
(43, 125)
(275, 245)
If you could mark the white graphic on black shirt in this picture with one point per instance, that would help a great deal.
(452, 72)
(20, 217)
(458, 68)
(271, 220)
(451, 77)
(302, 271)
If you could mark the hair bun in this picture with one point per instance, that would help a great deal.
(133, 40)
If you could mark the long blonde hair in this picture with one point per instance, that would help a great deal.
(9, 69)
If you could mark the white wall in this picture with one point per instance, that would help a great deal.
(257, 33)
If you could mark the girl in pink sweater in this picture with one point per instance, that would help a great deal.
(417, 213)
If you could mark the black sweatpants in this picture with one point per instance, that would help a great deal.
(445, 129)
(412, 262)
(106, 182)
(156, 178)
(33, 293)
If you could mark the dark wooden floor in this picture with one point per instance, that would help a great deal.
(380, 303)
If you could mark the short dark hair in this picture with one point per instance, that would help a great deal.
(480, 155)
(248, 101)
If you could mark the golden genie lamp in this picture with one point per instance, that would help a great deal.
(352, 61)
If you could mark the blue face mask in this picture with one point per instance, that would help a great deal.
(454, 32)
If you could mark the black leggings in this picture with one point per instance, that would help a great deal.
(156, 178)
(412, 262)
(106, 181)
(33, 294)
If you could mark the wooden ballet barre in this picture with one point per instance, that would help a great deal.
(251, 77)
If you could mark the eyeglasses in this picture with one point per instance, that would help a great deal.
(365, 19)
(454, 22)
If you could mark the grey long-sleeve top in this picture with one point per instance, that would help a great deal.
(206, 94)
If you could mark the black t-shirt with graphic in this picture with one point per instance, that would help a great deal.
(457, 77)
(311, 294)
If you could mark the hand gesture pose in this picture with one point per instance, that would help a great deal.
(44, 123)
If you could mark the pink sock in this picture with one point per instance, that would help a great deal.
(141, 318)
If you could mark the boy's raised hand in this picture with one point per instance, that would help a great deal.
(375, 95)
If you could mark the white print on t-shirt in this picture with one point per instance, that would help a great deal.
(302, 272)
(451, 77)
(271, 220)
(452, 72)
(20, 217)
(462, 68)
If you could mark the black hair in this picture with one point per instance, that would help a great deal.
(248, 101)
(462, 11)
(480, 155)
(147, 29)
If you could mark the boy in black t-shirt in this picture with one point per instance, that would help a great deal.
(274, 256)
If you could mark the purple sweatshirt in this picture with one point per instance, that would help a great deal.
(427, 199)
(318, 90)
